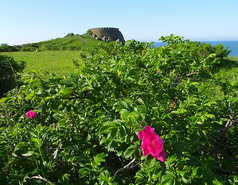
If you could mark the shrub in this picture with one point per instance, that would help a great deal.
(9, 73)
(7, 48)
(86, 125)
(201, 49)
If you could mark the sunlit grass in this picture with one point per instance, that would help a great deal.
(59, 63)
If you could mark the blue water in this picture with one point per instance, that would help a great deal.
(233, 45)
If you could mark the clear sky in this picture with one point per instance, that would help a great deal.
(28, 21)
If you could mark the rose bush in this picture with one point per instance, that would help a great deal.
(87, 123)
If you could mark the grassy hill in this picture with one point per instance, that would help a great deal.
(53, 56)
(67, 43)
(73, 43)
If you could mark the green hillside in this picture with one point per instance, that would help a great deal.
(67, 43)
(76, 42)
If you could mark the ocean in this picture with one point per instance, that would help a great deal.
(233, 45)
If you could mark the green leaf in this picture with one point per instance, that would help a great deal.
(141, 101)
(106, 128)
(186, 181)
(122, 131)
(31, 95)
(55, 153)
(113, 132)
(170, 160)
(99, 158)
(124, 113)
(6, 99)
(103, 140)
(129, 151)
(194, 171)
(65, 176)
(210, 115)
(152, 162)
(124, 104)
(66, 92)
(29, 153)
(35, 140)
(166, 180)
(84, 171)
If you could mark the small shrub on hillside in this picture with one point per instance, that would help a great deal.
(89, 33)
(133, 115)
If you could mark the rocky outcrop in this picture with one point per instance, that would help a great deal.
(69, 35)
(107, 34)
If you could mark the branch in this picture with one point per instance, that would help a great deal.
(230, 123)
(127, 166)
(41, 178)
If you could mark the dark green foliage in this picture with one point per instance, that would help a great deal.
(9, 73)
(7, 48)
(29, 47)
(85, 131)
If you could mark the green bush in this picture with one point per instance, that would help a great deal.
(9, 73)
(7, 48)
(86, 125)
(29, 47)
(201, 49)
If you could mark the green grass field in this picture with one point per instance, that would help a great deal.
(54, 56)
(59, 63)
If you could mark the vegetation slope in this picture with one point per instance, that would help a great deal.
(72, 43)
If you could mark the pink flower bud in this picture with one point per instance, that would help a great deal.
(31, 114)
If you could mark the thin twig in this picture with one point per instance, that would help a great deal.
(127, 166)
(230, 123)
(41, 178)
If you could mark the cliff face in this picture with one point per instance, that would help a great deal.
(107, 34)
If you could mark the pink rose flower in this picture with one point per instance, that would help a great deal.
(31, 114)
(152, 144)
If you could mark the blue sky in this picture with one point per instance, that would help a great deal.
(27, 21)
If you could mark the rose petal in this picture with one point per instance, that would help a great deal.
(162, 156)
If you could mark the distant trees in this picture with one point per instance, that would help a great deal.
(7, 48)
